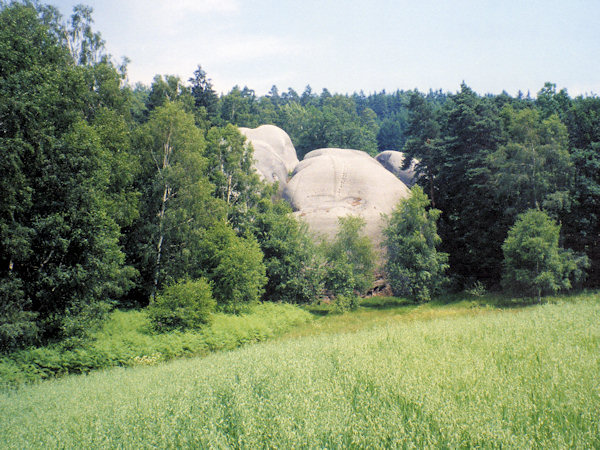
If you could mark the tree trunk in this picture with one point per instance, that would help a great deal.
(161, 237)
(161, 215)
(431, 191)
(535, 202)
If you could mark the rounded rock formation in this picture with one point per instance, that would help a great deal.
(268, 164)
(392, 161)
(279, 141)
(330, 183)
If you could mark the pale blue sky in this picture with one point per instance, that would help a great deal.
(347, 46)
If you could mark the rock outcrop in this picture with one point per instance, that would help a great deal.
(330, 183)
(392, 161)
(267, 138)
(269, 164)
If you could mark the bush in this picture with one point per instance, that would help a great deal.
(350, 259)
(477, 289)
(126, 339)
(293, 264)
(235, 267)
(534, 263)
(339, 278)
(186, 304)
(414, 267)
(18, 327)
(345, 303)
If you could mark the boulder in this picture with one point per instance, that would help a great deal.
(330, 183)
(392, 161)
(279, 141)
(268, 164)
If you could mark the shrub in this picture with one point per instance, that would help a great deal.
(235, 267)
(534, 263)
(126, 339)
(345, 303)
(414, 267)
(339, 278)
(477, 289)
(293, 264)
(186, 304)
(350, 259)
(18, 327)
(240, 276)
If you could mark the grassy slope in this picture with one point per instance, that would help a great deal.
(516, 378)
(126, 340)
(378, 311)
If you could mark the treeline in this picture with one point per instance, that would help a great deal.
(482, 160)
(125, 195)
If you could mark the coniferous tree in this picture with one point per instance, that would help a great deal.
(204, 94)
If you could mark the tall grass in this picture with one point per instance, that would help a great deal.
(127, 340)
(517, 379)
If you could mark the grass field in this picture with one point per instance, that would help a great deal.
(436, 376)
(126, 340)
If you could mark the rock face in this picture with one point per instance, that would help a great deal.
(273, 150)
(268, 164)
(393, 161)
(332, 182)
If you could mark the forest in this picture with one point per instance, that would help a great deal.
(120, 196)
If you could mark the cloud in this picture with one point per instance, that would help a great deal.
(194, 6)
(244, 48)
(169, 18)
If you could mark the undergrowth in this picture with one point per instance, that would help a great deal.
(127, 340)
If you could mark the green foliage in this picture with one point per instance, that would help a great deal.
(169, 89)
(339, 277)
(551, 102)
(345, 303)
(392, 132)
(18, 326)
(350, 259)
(239, 107)
(477, 289)
(534, 167)
(534, 263)
(581, 226)
(230, 170)
(177, 206)
(334, 123)
(185, 304)
(451, 141)
(127, 339)
(513, 379)
(66, 189)
(292, 260)
(235, 267)
(204, 94)
(414, 266)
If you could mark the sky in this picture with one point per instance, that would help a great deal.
(349, 46)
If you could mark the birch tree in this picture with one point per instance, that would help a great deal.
(230, 169)
(177, 202)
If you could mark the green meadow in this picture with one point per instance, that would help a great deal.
(389, 375)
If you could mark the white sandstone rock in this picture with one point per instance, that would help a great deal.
(268, 164)
(331, 183)
(392, 161)
(277, 139)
